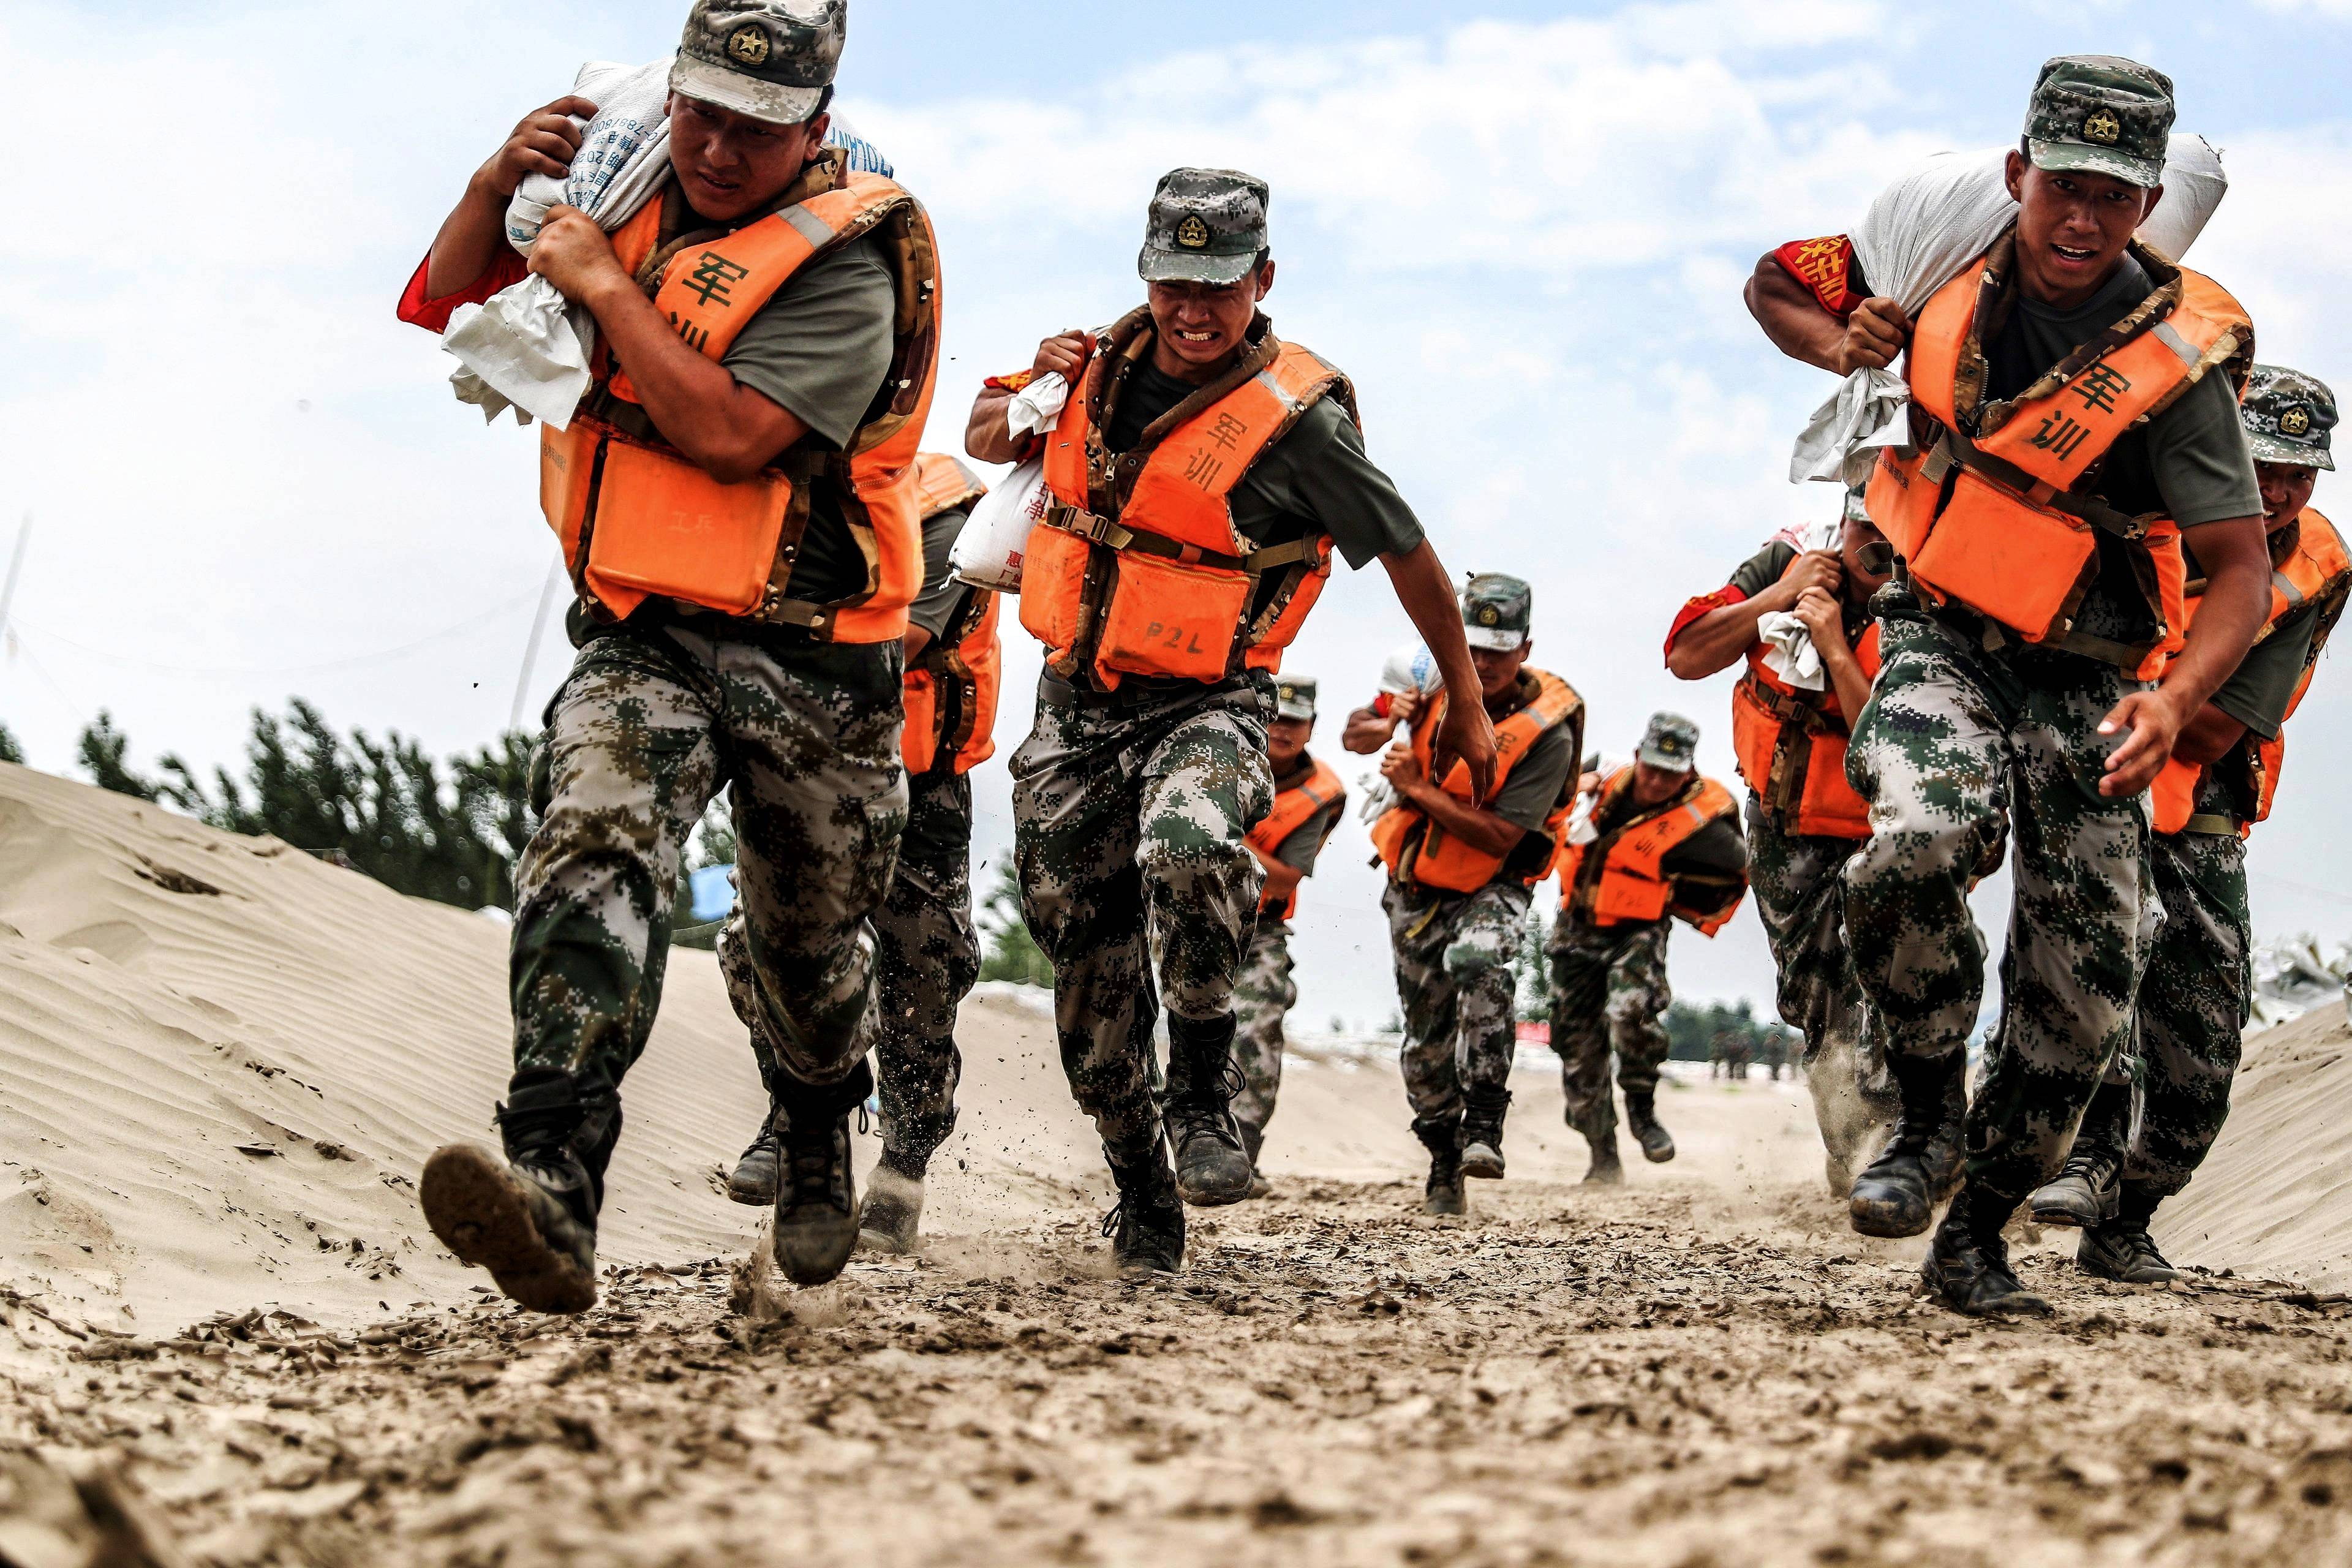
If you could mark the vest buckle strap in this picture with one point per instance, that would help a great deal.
(2213, 824)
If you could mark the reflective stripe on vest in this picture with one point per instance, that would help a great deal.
(1620, 878)
(1161, 584)
(1791, 746)
(2319, 570)
(1417, 851)
(1292, 810)
(952, 686)
(1988, 518)
(638, 521)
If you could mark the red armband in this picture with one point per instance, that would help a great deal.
(1018, 380)
(1825, 266)
(1699, 608)
(433, 315)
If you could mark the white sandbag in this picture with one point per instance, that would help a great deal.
(1413, 669)
(987, 553)
(1919, 233)
(527, 348)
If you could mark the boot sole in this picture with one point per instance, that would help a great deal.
(481, 1213)
(1657, 1157)
(750, 1197)
(2065, 1216)
(883, 1241)
(1481, 1165)
(1202, 1195)
(1888, 1220)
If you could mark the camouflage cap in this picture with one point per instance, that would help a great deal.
(1496, 611)
(1206, 226)
(2288, 415)
(1293, 696)
(771, 59)
(1670, 742)
(2101, 114)
(1858, 509)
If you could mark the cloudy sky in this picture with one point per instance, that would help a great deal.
(1521, 227)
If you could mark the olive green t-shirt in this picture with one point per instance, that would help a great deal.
(935, 608)
(2258, 691)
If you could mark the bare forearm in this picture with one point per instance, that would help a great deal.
(2236, 561)
(1482, 830)
(724, 427)
(1721, 637)
(1367, 733)
(1844, 670)
(1791, 317)
(471, 241)
(2207, 738)
(988, 435)
(1427, 595)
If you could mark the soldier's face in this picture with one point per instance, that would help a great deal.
(1498, 670)
(1653, 785)
(2072, 227)
(729, 165)
(1199, 326)
(1285, 742)
(1861, 582)
(2286, 490)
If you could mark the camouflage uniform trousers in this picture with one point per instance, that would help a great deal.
(1128, 821)
(1609, 991)
(1263, 997)
(1953, 737)
(2193, 1006)
(640, 736)
(1455, 980)
(927, 956)
(1798, 879)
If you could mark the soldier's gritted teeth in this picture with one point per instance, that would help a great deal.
(2286, 490)
(729, 165)
(1204, 325)
(2072, 227)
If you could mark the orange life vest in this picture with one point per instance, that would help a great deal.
(1791, 746)
(638, 521)
(2318, 570)
(952, 686)
(1620, 878)
(1417, 851)
(1136, 568)
(1291, 811)
(1994, 507)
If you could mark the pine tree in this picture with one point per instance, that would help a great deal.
(1011, 952)
(9, 751)
(1532, 985)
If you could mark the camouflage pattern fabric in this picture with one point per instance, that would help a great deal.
(1950, 727)
(640, 736)
(1454, 981)
(2193, 1006)
(927, 956)
(1263, 997)
(1609, 991)
(1801, 899)
(1128, 816)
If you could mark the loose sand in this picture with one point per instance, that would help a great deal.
(220, 1064)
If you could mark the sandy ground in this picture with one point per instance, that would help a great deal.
(1703, 1367)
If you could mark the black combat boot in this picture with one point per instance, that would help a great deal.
(816, 1196)
(2085, 1189)
(1483, 1110)
(1254, 1139)
(893, 1209)
(1212, 1166)
(1895, 1193)
(1641, 1121)
(1947, 1157)
(1147, 1228)
(1442, 1136)
(1606, 1170)
(1967, 1266)
(531, 1218)
(2121, 1249)
(753, 1180)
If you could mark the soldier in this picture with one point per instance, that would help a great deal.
(778, 368)
(2198, 992)
(1461, 878)
(1804, 820)
(2068, 425)
(1652, 839)
(927, 954)
(1307, 801)
(1202, 472)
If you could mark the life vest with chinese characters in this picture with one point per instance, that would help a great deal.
(1791, 746)
(1136, 568)
(1620, 877)
(1292, 810)
(952, 686)
(2317, 572)
(1418, 852)
(639, 520)
(1995, 507)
